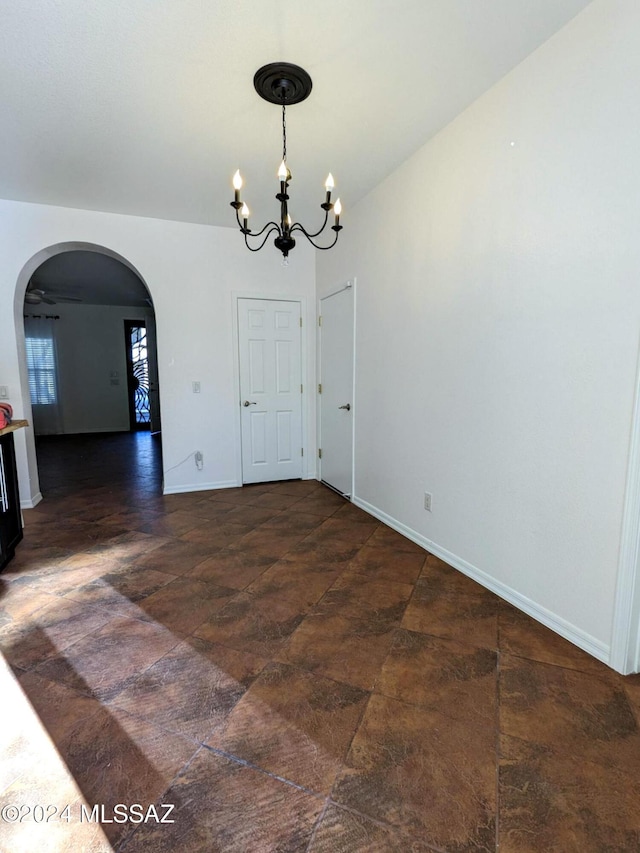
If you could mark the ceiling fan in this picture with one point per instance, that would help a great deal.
(35, 295)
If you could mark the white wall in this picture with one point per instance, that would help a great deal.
(498, 313)
(191, 272)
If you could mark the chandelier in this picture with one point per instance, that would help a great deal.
(284, 84)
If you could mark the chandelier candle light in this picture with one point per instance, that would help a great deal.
(283, 83)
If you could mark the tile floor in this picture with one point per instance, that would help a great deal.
(293, 675)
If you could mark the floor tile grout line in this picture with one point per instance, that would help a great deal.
(161, 729)
(125, 841)
(320, 675)
(62, 652)
(605, 677)
(105, 701)
(165, 729)
(242, 761)
(413, 705)
(186, 639)
(377, 822)
(347, 750)
(470, 647)
(341, 573)
(317, 825)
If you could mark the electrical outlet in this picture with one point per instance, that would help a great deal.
(427, 501)
(196, 387)
(199, 459)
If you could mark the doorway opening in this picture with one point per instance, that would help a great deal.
(135, 338)
(78, 298)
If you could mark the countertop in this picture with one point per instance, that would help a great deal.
(13, 426)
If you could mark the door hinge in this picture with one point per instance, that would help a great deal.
(301, 389)
(300, 322)
(320, 320)
(302, 451)
(319, 453)
(319, 387)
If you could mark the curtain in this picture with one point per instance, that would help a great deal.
(42, 364)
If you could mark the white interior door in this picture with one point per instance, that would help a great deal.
(270, 389)
(336, 399)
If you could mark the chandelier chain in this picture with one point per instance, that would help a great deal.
(284, 133)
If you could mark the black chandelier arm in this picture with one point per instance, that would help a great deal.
(270, 231)
(297, 227)
(257, 233)
(315, 245)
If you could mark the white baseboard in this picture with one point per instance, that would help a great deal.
(205, 487)
(93, 431)
(31, 504)
(199, 487)
(556, 623)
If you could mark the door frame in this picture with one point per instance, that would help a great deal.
(624, 653)
(308, 469)
(350, 284)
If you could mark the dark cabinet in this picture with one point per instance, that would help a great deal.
(10, 515)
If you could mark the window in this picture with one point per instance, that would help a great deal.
(41, 363)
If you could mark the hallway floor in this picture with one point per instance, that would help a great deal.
(291, 675)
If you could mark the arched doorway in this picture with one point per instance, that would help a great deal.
(85, 328)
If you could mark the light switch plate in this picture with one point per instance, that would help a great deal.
(4, 392)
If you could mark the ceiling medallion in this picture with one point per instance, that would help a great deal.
(284, 84)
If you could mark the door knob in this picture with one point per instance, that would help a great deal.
(247, 403)
(347, 407)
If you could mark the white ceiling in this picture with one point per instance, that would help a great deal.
(94, 278)
(147, 107)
